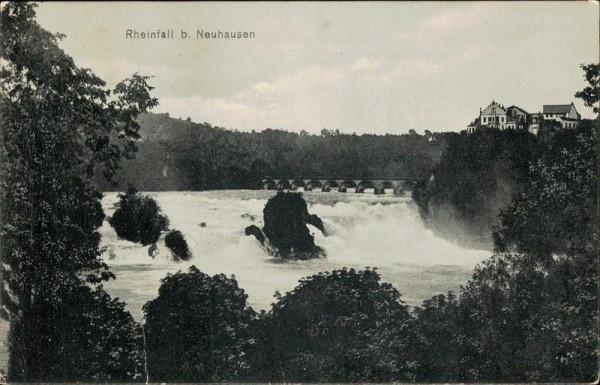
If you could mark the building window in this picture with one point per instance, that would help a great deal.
(484, 119)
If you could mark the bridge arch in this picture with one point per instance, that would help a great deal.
(366, 183)
(297, 183)
(313, 184)
(387, 184)
(284, 184)
(331, 183)
(269, 184)
(348, 183)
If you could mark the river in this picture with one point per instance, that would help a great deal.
(382, 231)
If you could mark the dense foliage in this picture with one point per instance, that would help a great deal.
(98, 340)
(176, 242)
(182, 155)
(197, 329)
(138, 218)
(516, 320)
(339, 326)
(591, 93)
(554, 210)
(60, 126)
(529, 315)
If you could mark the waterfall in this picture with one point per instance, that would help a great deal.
(383, 231)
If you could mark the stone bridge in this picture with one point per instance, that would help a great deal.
(399, 186)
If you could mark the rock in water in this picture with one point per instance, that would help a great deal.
(152, 249)
(285, 217)
(314, 220)
(254, 230)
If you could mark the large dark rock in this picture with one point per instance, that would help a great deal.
(285, 217)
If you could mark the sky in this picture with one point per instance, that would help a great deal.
(367, 67)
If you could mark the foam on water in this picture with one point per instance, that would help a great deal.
(363, 230)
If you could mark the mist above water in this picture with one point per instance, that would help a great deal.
(363, 230)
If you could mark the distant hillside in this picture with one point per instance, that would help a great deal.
(177, 154)
(157, 127)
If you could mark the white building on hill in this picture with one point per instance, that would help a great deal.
(497, 116)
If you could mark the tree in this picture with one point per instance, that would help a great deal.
(99, 340)
(523, 320)
(175, 241)
(555, 211)
(591, 93)
(339, 326)
(197, 329)
(60, 127)
(138, 218)
(438, 324)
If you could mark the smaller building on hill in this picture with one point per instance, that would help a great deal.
(565, 114)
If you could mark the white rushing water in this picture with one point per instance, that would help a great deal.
(363, 230)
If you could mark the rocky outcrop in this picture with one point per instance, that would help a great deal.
(255, 230)
(314, 220)
(285, 217)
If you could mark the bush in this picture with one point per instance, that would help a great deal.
(85, 336)
(178, 245)
(138, 218)
(340, 326)
(523, 321)
(197, 329)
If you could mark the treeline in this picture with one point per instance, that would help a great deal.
(181, 155)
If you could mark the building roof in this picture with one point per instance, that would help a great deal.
(493, 104)
(474, 123)
(557, 108)
(518, 108)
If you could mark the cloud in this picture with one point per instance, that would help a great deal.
(366, 95)
(115, 70)
(448, 27)
(456, 18)
(311, 98)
